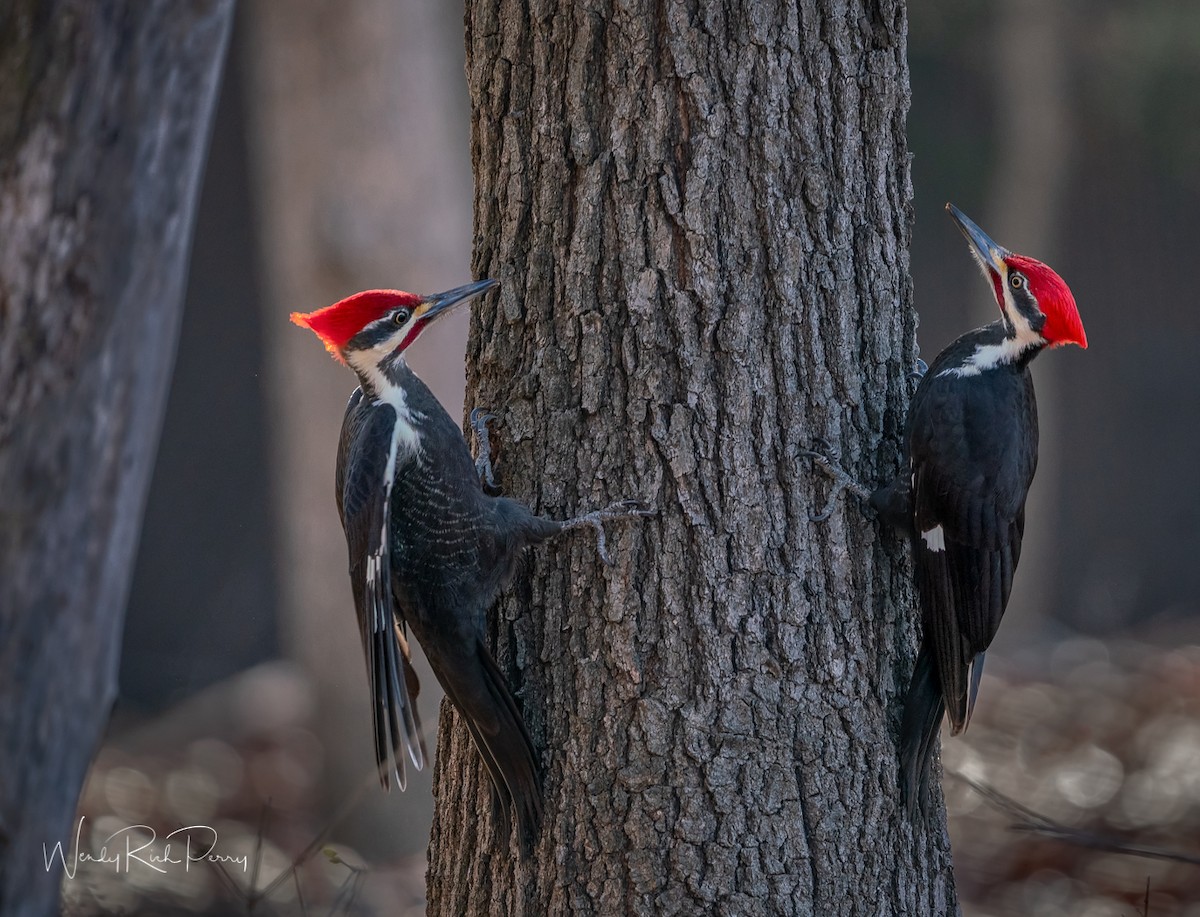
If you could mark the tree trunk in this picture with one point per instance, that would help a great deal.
(700, 218)
(104, 113)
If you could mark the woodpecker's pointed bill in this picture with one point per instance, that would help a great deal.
(990, 255)
(441, 303)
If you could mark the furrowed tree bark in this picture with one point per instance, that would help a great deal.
(700, 215)
(104, 114)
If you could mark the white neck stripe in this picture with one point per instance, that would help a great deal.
(385, 391)
(990, 356)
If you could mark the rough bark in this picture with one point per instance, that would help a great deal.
(700, 213)
(104, 113)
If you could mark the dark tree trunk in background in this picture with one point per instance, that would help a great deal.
(104, 112)
(700, 215)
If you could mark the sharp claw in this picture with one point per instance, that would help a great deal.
(830, 505)
(480, 416)
(483, 468)
(483, 464)
(819, 457)
(637, 508)
(623, 509)
(826, 460)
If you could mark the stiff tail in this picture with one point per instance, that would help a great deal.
(923, 709)
(394, 689)
(976, 676)
(477, 688)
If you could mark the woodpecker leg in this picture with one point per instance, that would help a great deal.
(827, 460)
(625, 509)
(483, 463)
(919, 370)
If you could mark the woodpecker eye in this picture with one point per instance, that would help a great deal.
(401, 316)
(1016, 281)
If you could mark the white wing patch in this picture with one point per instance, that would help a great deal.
(386, 672)
(935, 539)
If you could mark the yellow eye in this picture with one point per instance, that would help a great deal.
(1016, 281)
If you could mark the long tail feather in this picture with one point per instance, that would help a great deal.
(923, 710)
(477, 688)
(393, 692)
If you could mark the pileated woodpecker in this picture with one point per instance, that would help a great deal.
(429, 549)
(972, 444)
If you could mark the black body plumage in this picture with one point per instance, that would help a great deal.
(449, 549)
(972, 441)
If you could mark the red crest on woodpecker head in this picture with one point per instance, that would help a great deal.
(335, 325)
(1054, 298)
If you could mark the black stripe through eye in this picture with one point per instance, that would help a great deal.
(375, 334)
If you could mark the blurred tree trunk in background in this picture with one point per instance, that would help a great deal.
(1034, 142)
(700, 217)
(360, 147)
(104, 114)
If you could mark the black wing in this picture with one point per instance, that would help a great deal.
(973, 445)
(364, 504)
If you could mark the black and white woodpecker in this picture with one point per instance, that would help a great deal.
(429, 549)
(972, 446)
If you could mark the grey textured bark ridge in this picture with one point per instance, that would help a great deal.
(699, 213)
(104, 128)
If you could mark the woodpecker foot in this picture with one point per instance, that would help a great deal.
(483, 463)
(919, 370)
(827, 460)
(624, 509)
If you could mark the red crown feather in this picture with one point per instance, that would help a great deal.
(1054, 298)
(335, 325)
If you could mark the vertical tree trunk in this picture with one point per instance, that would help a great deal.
(700, 214)
(104, 113)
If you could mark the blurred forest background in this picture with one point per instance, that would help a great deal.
(340, 160)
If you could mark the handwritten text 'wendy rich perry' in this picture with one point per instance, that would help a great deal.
(138, 846)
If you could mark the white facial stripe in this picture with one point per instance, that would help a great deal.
(989, 356)
(1020, 323)
(935, 539)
